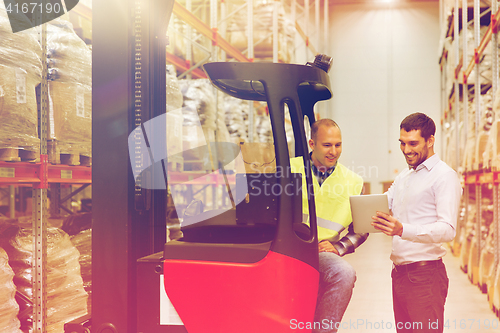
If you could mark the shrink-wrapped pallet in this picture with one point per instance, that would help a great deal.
(174, 140)
(70, 95)
(199, 124)
(71, 117)
(450, 144)
(83, 242)
(474, 255)
(66, 296)
(237, 34)
(469, 155)
(69, 58)
(466, 236)
(18, 110)
(492, 150)
(198, 106)
(174, 94)
(20, 73)
(449, 45)
(236, 117)
(207, 144)
(20, 49)
(484, 131)
(8, 305)
(487, 261)
(174, 121)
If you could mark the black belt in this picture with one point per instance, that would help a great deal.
(416, 265)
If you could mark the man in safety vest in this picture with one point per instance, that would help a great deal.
(333, 184)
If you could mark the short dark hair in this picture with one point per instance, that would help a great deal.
(419, 121)
(322, 122)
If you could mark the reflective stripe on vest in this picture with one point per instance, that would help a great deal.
(324, 223)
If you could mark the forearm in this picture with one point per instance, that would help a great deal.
(438, 232)
(349, 243)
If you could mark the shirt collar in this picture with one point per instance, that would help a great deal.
(428, 163)
(320, 175)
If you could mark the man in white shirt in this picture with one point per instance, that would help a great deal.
(424, 201)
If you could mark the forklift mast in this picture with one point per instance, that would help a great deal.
(128, 74)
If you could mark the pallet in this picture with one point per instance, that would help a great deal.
(56, 157)
(18, 155)
(75, 159)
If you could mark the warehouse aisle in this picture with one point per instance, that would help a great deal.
(370, 309)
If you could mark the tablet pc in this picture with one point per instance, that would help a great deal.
(363, 207)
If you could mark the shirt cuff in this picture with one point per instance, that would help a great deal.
(409, 231)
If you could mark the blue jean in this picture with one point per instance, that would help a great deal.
(418, 298)
(336, 283)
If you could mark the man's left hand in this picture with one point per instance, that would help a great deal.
(388, 224)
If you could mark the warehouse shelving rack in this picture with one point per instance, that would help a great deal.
(43, 178)
(481, 183)
(215, 30)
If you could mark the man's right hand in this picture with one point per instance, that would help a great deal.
(326, 246)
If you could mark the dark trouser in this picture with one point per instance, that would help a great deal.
(419, 293)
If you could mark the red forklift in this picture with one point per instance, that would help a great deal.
(246, 262)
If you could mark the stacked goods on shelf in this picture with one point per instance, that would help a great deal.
(449, 137)
(263, 10)
(70, 95)
(174, 94)
(236, 117)
(199, 112)
(20, 73)
(78, 227)
(487, 262)
(449, 68)
(495, 297)
(174, 121)
(470, 146)
(484, 131)
(66, 297)
(474, 256)
(227, 149)
(83, 242)
(492, 149)
(203, 125)
(263, 127)
(467, 234)
(9, 323)
(456, 244)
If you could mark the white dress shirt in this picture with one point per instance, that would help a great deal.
(426, 202)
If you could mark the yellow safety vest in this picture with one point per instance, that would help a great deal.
(333, 209)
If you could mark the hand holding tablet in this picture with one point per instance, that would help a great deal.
(363, 207)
